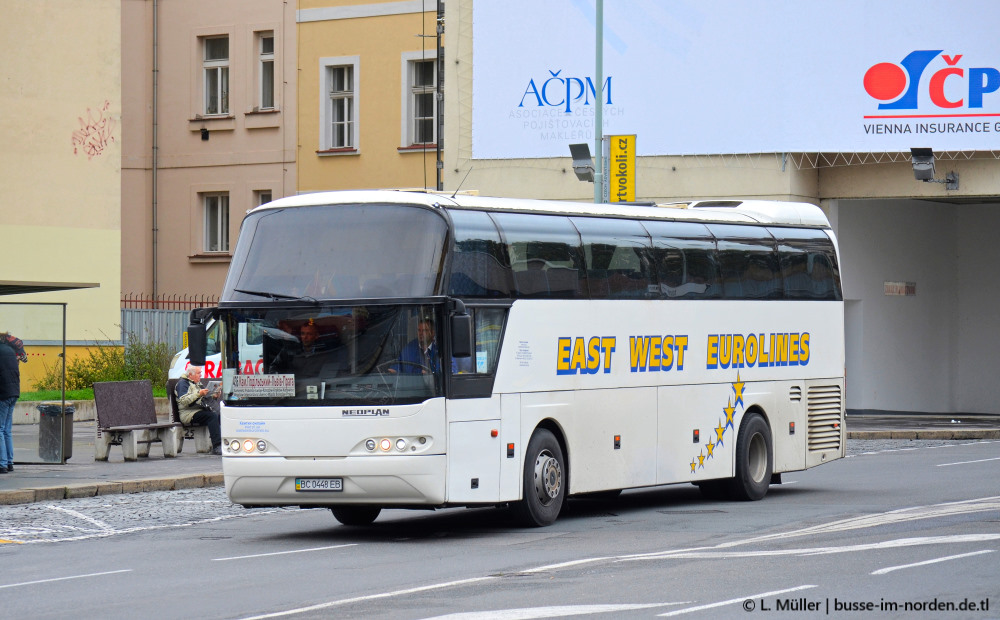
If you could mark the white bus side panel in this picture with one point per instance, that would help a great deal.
(473, 462)
(783, 405)
(474, 454)
(683, 410)
(569, 358)
(597, 418)
(512, 434)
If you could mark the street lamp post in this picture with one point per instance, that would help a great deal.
(599, 115)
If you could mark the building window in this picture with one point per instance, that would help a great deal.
(341, 83)
(216, 222)
(216, 68)
(338, 103)
(262, 196)
(422, 102)
(265, 55)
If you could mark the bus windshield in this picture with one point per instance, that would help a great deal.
(362, 355)
(350, 251)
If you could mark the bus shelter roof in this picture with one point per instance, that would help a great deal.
(18, 287)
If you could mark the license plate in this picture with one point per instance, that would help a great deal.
(319, 484)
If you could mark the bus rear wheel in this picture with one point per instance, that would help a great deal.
(754, 460)
(544, 481)
(355, 515)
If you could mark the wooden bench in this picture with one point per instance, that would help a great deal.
(126, 417)
(199, 434)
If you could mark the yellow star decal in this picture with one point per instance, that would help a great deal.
(709, 446)
(701, 460)
(738, 388)
(694, 464)
(720, 431)
(729, 410)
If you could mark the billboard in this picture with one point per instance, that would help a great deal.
(737, 76)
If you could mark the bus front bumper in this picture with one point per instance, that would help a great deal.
(364, 480)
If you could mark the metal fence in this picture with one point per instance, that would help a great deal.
(161, 319)
(150, 326)
(167, 302)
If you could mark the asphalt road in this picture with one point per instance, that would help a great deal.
(899, 529)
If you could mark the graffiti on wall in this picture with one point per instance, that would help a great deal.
(96, 132)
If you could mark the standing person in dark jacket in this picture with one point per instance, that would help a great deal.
(11, 350)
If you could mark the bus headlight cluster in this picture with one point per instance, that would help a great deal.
(395, 444)
(246, 446)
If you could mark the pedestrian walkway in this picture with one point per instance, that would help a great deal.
(82, 476)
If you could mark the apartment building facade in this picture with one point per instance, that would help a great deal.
(209, 113)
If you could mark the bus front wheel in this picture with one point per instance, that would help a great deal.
(544, 481)
(754, 460)
(355, 515)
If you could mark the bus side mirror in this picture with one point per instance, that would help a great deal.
(198, 335)
(197, 343)
(461, 335)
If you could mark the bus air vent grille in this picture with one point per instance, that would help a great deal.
(825, 417)
(795, 394)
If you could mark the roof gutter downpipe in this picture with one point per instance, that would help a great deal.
(155, 158)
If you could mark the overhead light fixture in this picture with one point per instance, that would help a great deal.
(923, 169)
(583, 165)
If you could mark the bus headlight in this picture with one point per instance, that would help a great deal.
(401, 444)
(370, 445)
(248, 446)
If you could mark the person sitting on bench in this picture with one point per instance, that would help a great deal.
(193, 409)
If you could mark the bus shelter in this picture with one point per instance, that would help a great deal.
(42, 430)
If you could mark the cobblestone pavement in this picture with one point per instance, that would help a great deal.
(113, 515)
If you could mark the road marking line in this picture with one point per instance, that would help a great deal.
(902, 515)
(717, 553)
(372, 597)
(264, 555)
(79, 515)
(967, 462)
(28, 583)
(733, 601)
(883, 571)
(542, 569)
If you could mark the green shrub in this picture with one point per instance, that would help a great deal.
(136, 361)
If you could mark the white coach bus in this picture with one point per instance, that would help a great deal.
(425, 351)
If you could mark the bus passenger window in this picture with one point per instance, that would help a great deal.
(479, 266)
(686, 261)
(545, 256)
(808, 264)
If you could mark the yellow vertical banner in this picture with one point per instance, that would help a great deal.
(621, 166)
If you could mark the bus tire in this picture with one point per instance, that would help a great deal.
(356, 515)
(754, 460)
(544, 481)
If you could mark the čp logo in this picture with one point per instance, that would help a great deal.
(899, 85)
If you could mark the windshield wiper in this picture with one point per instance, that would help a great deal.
(276, 296)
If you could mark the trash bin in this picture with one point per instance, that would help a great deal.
(55, 428)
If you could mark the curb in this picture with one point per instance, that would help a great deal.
(982, 433)
(73, 491)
